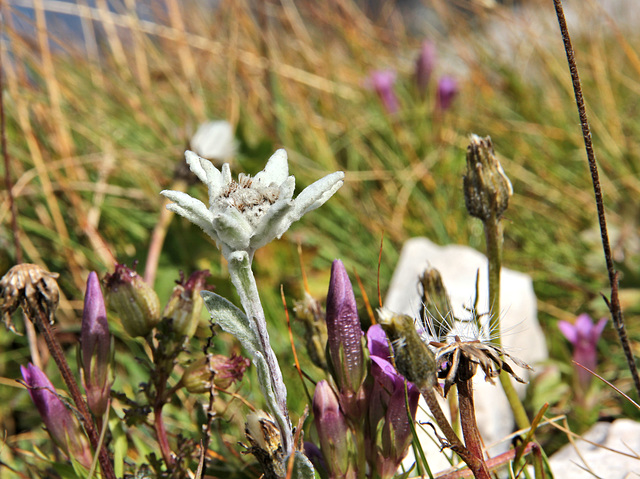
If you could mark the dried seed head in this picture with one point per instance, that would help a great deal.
(486, 187)
(458, 361)
(266, 444)
(31, 287)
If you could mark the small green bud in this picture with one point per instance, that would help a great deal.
(413, 358)
(486, 187)
(133, 300)
(224, 371)
(185, 304)
(436, 306)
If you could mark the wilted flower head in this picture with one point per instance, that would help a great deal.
(310, 312)
(487, 188)
(222, 369)
(344, 343)
(246, 214)
(31, 287)
(133, 300)
(458, 361)
(185, 304)
(214, 140)
(266, 444)
(382, 81)
(425, 65)
(95, 344)
(446, 92)
(62, 427)
(584, 336)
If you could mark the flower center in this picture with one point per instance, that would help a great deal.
(250, 197)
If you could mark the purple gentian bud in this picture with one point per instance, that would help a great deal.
(332, 432)
(584, 336)
(62, 427)
(95, 347)
(133, 300)
(425, 64)
(381, 81)
(345, 344)
(447, 91)
(387, 403)
(224, 371)
(185, 304)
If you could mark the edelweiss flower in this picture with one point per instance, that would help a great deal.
(246, 214)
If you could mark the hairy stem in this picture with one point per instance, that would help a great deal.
(245, 283)
(614, 303)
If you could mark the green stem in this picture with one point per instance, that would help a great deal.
(494, 237)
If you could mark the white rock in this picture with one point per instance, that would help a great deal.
(622, 435)
(521, 334)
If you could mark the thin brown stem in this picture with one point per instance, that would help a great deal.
(614, 303)
(470, 427)
(42, 321)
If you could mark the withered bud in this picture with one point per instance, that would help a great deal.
(266, 444)
(185, 304)
(222, 369)
(436, 312)
(31, 287)
(133, 300)
(486, 187)
(310, 312)
(413, 358)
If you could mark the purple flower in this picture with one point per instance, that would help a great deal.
(447, 91)
(333, 432)
(381, 81)
(56, 417)
(95, 347)
(387, 445)
(344, 340)
(584, 336)
(425, 64)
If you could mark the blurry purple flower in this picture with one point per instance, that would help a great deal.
(56, 417)
(95, 347)
(381, 81)
(425, 64)
(387, 446)
(584, 336)
(332, 431)
(344, 340)
(447, 91)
